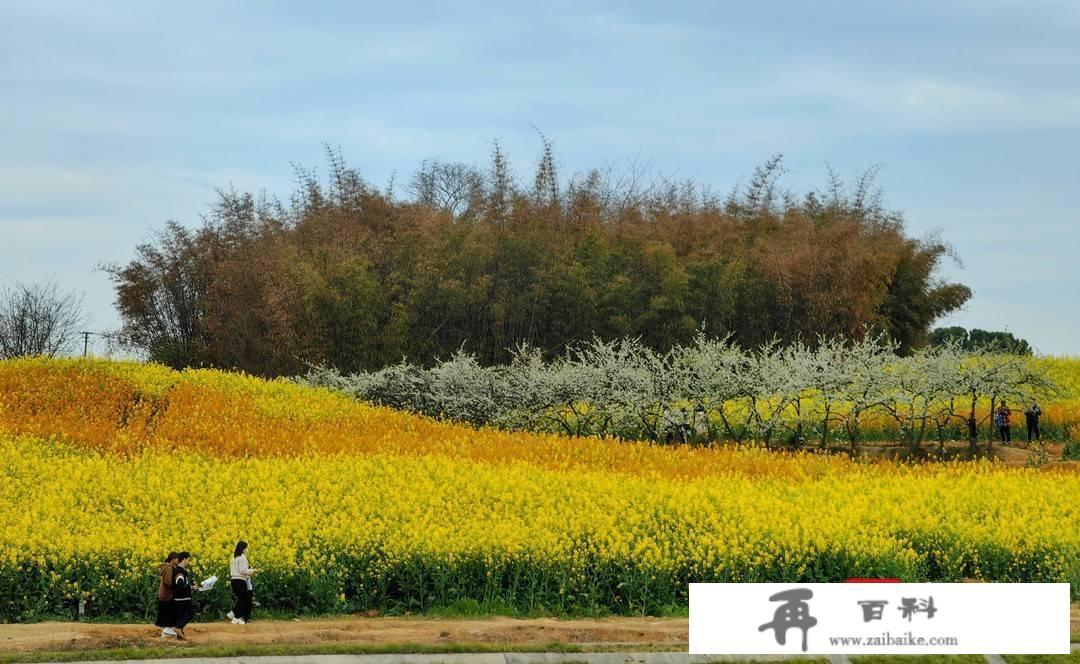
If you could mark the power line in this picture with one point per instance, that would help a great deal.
(86, 339)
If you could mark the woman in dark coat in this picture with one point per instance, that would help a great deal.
(183, 589)
(166, 611)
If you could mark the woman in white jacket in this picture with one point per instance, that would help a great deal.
(240, 573)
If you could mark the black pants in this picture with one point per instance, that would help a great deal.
(242, 607)
(184, 613)
(166, 614)
(1033, 431)
(1006, 434)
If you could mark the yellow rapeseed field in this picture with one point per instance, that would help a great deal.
(106, 466)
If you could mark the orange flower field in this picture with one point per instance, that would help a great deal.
(105, 466)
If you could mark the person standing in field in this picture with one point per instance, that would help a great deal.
(240, 573)
(1031, 417)
(183, 587)
(166, 611)
(700, 425)
(1002, 420)
(667, 423)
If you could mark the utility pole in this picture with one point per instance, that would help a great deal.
(85, 342)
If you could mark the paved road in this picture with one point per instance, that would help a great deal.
(508, 658)
(479, 658)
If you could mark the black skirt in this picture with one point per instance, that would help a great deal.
(166, 614)
(184, 613)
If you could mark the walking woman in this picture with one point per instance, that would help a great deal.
(183, 585)
(166, 612)
(240, 573)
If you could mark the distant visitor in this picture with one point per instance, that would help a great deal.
(1031, 417)
(1002, 421)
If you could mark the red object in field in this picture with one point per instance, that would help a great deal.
(859, 579)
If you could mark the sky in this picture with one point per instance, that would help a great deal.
(117, 117)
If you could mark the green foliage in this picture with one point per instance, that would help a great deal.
(1002, 342)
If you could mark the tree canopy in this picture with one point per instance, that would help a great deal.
(976, 339)
(347, 274)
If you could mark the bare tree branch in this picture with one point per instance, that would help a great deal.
(38, 319)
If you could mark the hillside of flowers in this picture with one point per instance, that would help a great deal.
(106, 466)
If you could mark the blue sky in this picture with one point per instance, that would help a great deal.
(116, 117)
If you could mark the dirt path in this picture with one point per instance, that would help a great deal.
(647, 633)
(669, 634)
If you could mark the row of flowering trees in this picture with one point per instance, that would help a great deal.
(834, 391)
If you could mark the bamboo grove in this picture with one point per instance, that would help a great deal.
(349, 275)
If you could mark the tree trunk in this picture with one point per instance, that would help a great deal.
(825, 429)
(973, 428)
(853, 433)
